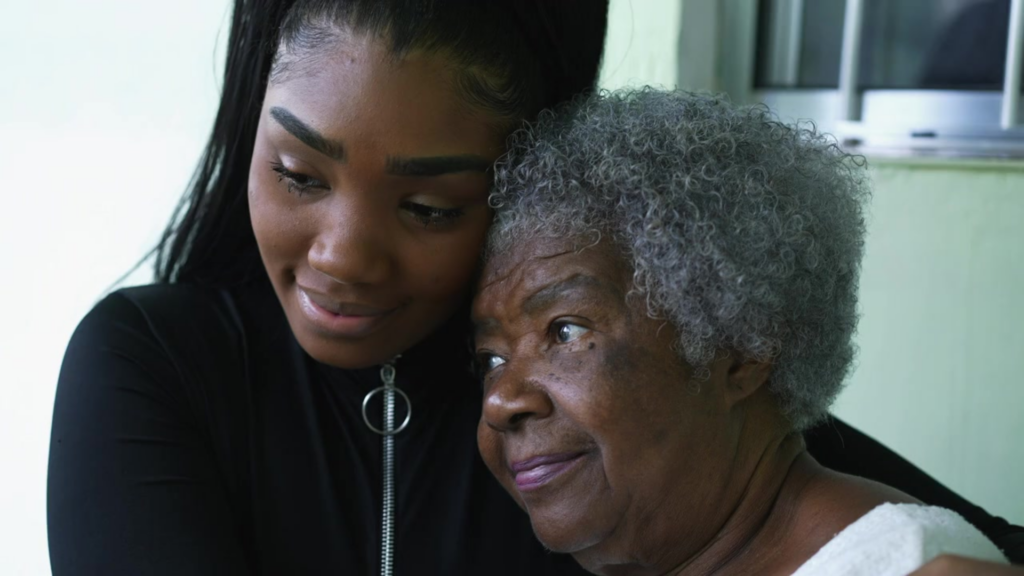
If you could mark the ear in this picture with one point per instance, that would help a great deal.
(744, 378)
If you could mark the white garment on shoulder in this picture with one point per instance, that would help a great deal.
(895, 540)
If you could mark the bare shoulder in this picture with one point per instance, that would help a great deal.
(818, 504)
(855, 493)
(824, 502)
(831, 501)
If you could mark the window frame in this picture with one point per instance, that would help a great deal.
(890, 122)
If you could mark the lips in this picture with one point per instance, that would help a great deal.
(536, 472)
(344, 308)
(347, 320)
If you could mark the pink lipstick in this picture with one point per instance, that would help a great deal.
(535, 472)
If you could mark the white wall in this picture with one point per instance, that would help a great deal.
(942, 330)
(104, 108)
(642, 43)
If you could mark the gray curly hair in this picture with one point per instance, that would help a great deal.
(745, 233)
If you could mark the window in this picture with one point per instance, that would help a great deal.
(894, 77)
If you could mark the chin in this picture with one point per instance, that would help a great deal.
(350, 361)
(566, 535)
(346, 355)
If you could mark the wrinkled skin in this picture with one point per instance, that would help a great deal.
(619, 453)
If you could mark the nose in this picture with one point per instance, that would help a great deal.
(513, 399)
(354, 245)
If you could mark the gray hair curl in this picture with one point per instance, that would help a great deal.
(745, 233)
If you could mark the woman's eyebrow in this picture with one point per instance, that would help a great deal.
(546, 297)
(552, 293)
(437, 165)
(485, 326)
(307, 135)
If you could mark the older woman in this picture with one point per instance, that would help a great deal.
(669, 300)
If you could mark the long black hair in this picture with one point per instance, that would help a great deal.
(520, 56)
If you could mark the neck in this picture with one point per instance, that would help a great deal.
(752, 537)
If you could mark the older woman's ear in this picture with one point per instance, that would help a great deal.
(745, 377)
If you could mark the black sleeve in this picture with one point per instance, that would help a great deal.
(841, 447)
(133, 487)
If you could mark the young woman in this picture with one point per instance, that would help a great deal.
(293, 395)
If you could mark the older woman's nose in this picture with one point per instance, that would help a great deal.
(354, 244)
(513, 400)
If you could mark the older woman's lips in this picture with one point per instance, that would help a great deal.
(535, 472)
(341, 319)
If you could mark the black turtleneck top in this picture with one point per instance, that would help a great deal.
(193, 435)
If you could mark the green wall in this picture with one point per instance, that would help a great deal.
(942, 294)
(942, 326)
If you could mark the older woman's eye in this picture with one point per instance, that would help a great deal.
(566, 332)
(490, 361)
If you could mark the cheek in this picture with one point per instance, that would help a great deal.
(492, 451)
(279, 227)
(488, 443)
(444, 267)
(594, 381)
(623, 394)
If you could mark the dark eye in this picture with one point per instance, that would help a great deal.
(432, 215)
(298, 184)
(566, 332)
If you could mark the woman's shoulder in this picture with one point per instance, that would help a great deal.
(169, 331)
(167, 306)
(188, 308)
(817, 503)
(174, 353)
(173, 314)
(897, 538)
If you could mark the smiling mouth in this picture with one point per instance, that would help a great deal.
(341, 319)
(534, 473)
(344, 308)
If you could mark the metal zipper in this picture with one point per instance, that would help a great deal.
(387, 541)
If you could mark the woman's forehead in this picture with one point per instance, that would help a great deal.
(355, 91)
(542, 269)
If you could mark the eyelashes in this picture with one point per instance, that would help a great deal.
(564, 332)
(431, 215)
(424, 214)
(298, 184)
(489, 362)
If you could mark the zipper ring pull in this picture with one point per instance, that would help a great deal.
(408, 412)
(387, 376)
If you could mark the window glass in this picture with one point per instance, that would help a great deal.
(810, 59)
(906, 44)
